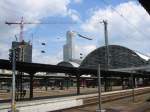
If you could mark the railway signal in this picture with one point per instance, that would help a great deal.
(17, 51)
(11, 54)
(13, 57)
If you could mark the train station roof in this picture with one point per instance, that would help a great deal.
(119, 57)
(33, 68)
(68, 64)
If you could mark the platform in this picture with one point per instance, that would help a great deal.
(61, 103)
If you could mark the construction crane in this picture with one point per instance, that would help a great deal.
(22, 23)
(78, 34)
(84, 36)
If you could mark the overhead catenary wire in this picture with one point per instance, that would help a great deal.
(125, 19)
(120, 33)
(129, 24)
(136, 12)
(125, 35)
(133, 8)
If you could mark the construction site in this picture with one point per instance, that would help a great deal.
(111, 78)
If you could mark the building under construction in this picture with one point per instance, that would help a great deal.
(24, 51)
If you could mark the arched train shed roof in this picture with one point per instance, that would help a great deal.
(68, 64)
(119, 56)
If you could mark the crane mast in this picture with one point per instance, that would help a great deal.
(21, 30)
(21, 23)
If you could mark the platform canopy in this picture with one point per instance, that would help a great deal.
(33, 68)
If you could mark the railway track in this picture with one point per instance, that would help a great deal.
(72, 102)
(111, 96)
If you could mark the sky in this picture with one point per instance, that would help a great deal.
(128, 25)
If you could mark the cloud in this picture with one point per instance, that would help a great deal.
(46, 58)
(130, 30)
(34, 8)
(78, 1)
(4, 50)
(86, 49)
(74, 15)
(128, 25)
(31, 10)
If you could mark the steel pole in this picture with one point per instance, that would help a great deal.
(107, 59)
(99, 91)
(13, 105)
(106, 44)
(133, 94)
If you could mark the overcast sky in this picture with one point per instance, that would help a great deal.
(128, 25)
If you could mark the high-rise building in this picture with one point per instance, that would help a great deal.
(24, 49)
(68, 48)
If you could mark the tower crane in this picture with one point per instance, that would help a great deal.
(22, 23)
(78, 34)
(83, 36)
